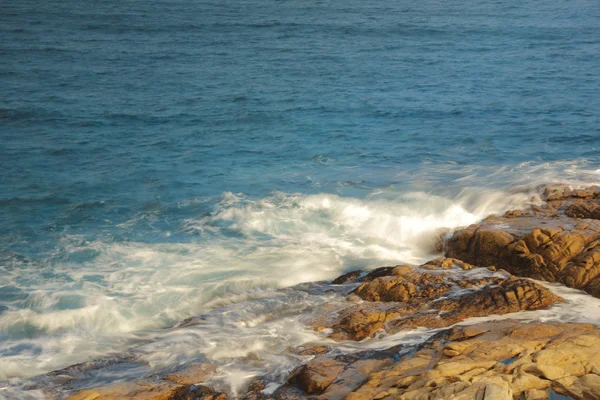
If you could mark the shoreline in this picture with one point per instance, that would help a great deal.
(485, 276)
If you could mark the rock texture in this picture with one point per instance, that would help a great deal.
(181, 385)
(485, 273)
(437, 295)
(495, 360)
(141, 389)
(558, 242)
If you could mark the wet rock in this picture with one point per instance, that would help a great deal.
(192, 373)
(558, 242)
(255, 390)
(203, 393)
(181, 385)
(318, 373)
(334, 378)
(138, 390)
(494, 360)
(360, 276)
(417, 297)
(589, 209)
(350, 277)
(405, 284)
(310, 349)
(149, 390)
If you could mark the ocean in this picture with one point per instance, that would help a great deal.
(173, 159)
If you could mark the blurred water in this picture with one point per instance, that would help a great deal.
(163, 160)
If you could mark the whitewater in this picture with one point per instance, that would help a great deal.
(181, 181)
(245, 289)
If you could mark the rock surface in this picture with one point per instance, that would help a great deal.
(141, 389)
(558, 242)
(181, 385)
(437, 295)
(485, 273)
(494, 360)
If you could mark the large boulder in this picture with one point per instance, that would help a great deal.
(558, 242)
(494, 360)
(435, 295)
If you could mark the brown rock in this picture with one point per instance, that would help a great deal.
(590, 209)
(350, 277)
(535, 394)
(318, 373)
(408, 298)
(404, 285)
(203, 393)
(586, 387)
(559, 242)
(193, 373)
(478, 369)
(310, 349)
(137, 390)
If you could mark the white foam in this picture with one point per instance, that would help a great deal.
(243, 251)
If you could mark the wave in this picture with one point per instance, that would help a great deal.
(92, 297)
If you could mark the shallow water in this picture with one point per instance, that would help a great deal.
(165, 161)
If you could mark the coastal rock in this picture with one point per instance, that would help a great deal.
(192, 374)
(494, 360)
(359, 276)
(551, 243)
(149, 390)
(434, 296)
(139, 390)
(334, 378)
(318, 373)
(180, 385)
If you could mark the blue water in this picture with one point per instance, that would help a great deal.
(165, 155)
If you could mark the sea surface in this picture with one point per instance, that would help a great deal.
(170, 159)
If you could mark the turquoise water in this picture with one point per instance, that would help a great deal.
(162, 160)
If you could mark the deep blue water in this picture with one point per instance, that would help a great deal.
(180, 124)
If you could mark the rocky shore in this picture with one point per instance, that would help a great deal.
(494, 268)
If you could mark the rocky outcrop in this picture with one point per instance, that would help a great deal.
(494, 360)
(486, 273)
(181, 385)
(335, 377)
(501, 360)
(558, 242)
(434, 296)
(140, 389)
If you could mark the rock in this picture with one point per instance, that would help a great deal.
(584, 210)
(377, 272)
(350, 277)
(551, 243)
(410, 297)
(359, 276)
(181, 385)
(586, 388)
(203, 393)
(492, 360)
(337, 376)
(550, 372)
(193, 373)
(352, 377)
(403, 285)
(255, 388)
(148, 390)
(310, 349)
(535, 394)
(318, 373)
(138, 390)
(495, 391)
